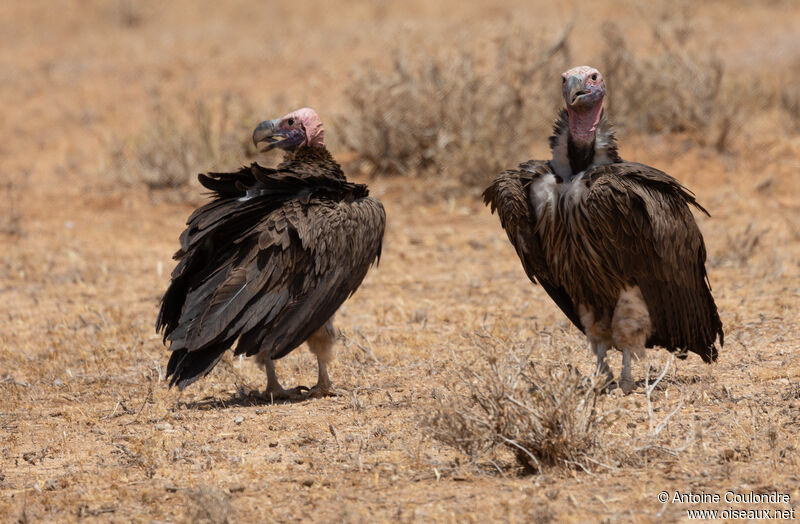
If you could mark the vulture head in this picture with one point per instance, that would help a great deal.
(301, 128)
(583, 88)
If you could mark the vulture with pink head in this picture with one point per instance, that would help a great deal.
(613, 243)
(267, 262)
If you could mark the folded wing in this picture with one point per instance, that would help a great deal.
(509, 195)
(638, 220)
(267, 262)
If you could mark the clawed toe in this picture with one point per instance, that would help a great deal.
(322, 391)
(296, 393)
(627, 386)
(300, 393)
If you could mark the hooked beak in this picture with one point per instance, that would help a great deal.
(575, 89)
(267, 132)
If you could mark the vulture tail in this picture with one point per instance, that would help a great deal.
(185, 367)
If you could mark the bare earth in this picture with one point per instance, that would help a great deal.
(88, 428)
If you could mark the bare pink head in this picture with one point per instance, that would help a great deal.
(583, 88)
(301, 128)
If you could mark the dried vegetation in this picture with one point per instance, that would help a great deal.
(678, 86)
(541, 410)
(456, 112)
(466, 112)
(89, 429)
(184, 137)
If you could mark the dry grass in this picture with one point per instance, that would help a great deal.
(91, 433)
(543, 411)
(184, 137)
(676, 89)
(465, 111)
(460, 112)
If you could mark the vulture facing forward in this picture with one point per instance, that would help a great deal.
(613, 243)
(268, 261)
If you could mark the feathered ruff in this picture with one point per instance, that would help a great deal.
(268, 261)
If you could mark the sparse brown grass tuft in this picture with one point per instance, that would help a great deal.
(83, 371)
(741, 245)
(675, 88)
(187, 136)
(543, 411)
(464, 112)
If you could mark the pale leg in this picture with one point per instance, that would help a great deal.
(274, 389)
(626, 380)
(630, 327)
(602, 366)
(321, 345)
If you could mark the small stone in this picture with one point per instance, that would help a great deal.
(238, 420)
(166, 426)
(58, 382)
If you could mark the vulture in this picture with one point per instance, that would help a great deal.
(613, 243)
(269, 259)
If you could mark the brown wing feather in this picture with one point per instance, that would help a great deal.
(509, 195)
(268, 265)
(641, 227)
(330, 248)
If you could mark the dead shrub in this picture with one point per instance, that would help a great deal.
(465, 112)
(675, 88)
(184, 137)
(544, 412)
(741, 246)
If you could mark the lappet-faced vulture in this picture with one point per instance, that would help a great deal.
(613, 243)
(267, 262)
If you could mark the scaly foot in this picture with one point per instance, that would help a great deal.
(322, 390)
(298, 393)
(627, 385)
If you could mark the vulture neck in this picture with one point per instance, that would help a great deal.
(574, 155)
(580, 152)
(317, 156)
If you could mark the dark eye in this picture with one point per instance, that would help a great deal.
(290, 121)
(594, 76)
(563, 80)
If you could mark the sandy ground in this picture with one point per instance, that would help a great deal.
(88, 428)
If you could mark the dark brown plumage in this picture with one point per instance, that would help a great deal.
(267, 262)
(608, 237)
